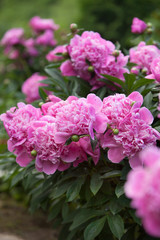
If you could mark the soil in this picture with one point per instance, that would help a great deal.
(15, 220)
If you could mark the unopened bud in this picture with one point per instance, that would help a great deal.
(116, 53)
(149, 25)
(40, 104)
(75, 138)
(74, 27)
(115, 131)
(149, 30)
(34, 153)
(144, 70)
(91, 69)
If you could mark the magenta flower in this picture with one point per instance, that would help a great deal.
(142, 187)
(39, 24)
(31, 85)
(138, 26)
(16, 122)
(91, 56)
(46, 39)
(31, 50)
(143, 55)
(129, 129)
(12, 37)
(52, 57)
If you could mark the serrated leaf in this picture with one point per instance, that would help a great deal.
(112, 174)
(84, 215)
(42, 94)
(116, 225)
(119, 190)
(94, 229)
(74, 189)
(96, 183)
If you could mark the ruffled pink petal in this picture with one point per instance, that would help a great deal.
(49, 167)
(135, 161)
(100, 123)
(149, 156)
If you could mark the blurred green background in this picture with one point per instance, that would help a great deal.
(111, 18)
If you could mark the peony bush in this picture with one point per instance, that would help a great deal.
(87, 152)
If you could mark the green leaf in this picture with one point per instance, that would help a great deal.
(18, 177)
(141, 82)
(116, 225)
(74, 189)
(54, 211)
(112, 79)
(94, 229)
(115, 206)
(147, 101)
(119, 190)
(42, 94)
(112, 174)
(129, 80)
(96, 183)
(57, 78)
(60, 189)
(84, 215)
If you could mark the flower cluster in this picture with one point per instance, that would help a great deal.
(17, 46)
(90, 56)
(46, 131)
(143, 188)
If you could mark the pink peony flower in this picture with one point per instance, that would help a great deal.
(16, 122)
(129, 129)
(39, 24)
(91, 56)
(76, 117)
(50, 155)
(143, 55)
(52, 57)
(142, 187)
(138, 26)
(12, 37)
(46, 39)
(31, 85)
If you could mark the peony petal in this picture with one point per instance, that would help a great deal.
(23, 159)
(146, 115)
(95, 101)
(61, 137)
(67, 69)
(136, 96)
(115, 155)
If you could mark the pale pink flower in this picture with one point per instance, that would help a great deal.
(52, 57)
(143, 188)
(12, 37)
(143, 55)
(39, 24)
(46, 39)
(91, 56)
(155, 69)
(129, 129)
(138, 26)
(16, 122)
(31, 87)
